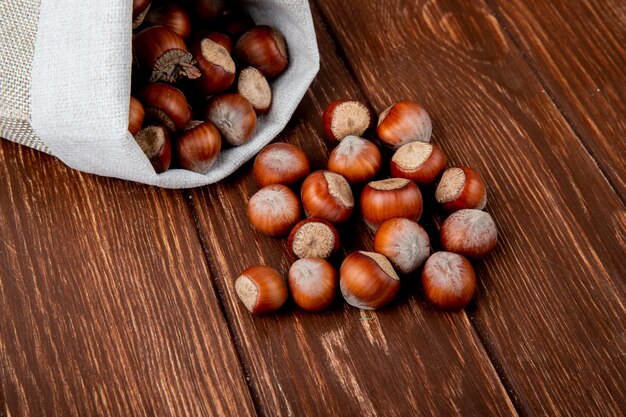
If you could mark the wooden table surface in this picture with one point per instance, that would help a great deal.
(117, 299)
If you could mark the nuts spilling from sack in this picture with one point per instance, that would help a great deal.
(201, 77)
(391, 204)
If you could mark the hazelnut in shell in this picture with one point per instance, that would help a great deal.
(280, 163)
(234, 117)
(261, 289)
(344, 118)
(404, 242)
(314, 238)
(368, 281)
(461, 188)
(448, 280)
(197, 147)
(388, 199)
(357, 159)
(402, 123)
(274, 210)
(419, 162)
(470, 233)
(155, 144)
(328, 196)
(313, 284)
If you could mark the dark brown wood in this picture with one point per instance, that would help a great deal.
(406, 359)
(579, 51)
(550, 305)
(106, 301)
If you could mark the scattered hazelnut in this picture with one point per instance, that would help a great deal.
(449, 281)
(280, 163)
(253, 85)
(233, 116)
(461, 188)
(261, 289)
(314, 238)
(419, 162)
(155, 143)
(357, 159)
(368, 281)
(264, 48)
(404, 242)
(402, 123)
(468, 232)
(274, 210)
(198, 146)
(345, 118)
(328, 196)
(313, 284)
(136, 114)
(387, 199)
(166, 105)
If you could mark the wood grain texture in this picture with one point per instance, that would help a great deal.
(406, 359)
(550, 306)
(578, 49)
(106, 301)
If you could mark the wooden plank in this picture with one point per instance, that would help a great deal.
(106, 301)
(579, 51)
(550, 305)
(403, 360)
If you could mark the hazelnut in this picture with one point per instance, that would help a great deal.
(328, 196)
(449, 281)
(166, 105)
(387, 199)
(198, 146)
(461, 188)
(216, 67)
(357, 159)
(208, 9)
(368, 281)
(468, 232)
(402, 123)
(233, 116)
(171, 16)
(155, 143)
(140, 10)
(280, 163)
(264, 48)
(162, 54)
(313, 284)
(253, 85)
(419, 162)
(261, 289)
(344, 118)
(274, 210)
(136, 115)
(314, 238)
(404, 242)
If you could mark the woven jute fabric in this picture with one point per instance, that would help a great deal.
(18, 27)
(66, 84)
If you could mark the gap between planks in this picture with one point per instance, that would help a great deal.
(553, 97)
(219, 293)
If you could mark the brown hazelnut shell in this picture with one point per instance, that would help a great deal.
(368, 281)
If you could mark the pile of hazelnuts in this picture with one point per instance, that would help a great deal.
(391, 207)
(193, 93)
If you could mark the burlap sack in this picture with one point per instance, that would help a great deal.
(65, 84)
